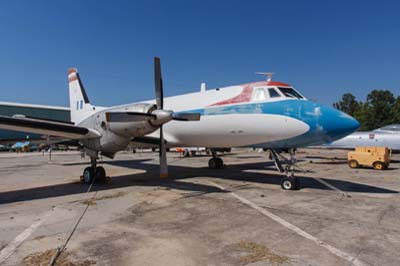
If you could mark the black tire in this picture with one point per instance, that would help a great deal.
(88, 175)
(288, 183)
(100, 173)
(353, 164)
(297, 183)
(220, 163)
(212, 163)
(379, 165)
(186, 153)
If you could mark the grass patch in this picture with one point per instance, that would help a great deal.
(43, 259)
(259, 252)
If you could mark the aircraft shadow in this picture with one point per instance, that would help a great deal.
(243, 172)
(240, 172)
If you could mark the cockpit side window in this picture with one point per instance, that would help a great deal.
(290, 92)
(273, 93)
(259, 94)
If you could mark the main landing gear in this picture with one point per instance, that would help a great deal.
(93, 172)
(289, 182)
(215, 162)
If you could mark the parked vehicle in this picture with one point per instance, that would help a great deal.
(377, 157)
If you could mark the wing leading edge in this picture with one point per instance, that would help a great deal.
(45, 127)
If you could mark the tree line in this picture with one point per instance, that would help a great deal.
(381, 108)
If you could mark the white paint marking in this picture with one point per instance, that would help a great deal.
(333, 250)
(8, 250)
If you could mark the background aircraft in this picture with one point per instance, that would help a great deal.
(21, 146)
(259, 114)
(387, 136)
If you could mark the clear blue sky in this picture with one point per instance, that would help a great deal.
(323, 48)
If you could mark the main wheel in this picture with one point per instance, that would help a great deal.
(353, 164)
(288, 183)
(379, 165)
(100, 172)
(88, 175)
(186, 153)
(220, 162)
(212, 163)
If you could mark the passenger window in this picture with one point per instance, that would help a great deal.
(259, 94)
(273, 93)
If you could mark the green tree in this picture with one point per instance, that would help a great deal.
(378, 111)
(348, 104)
(362, 116)
(396, 111)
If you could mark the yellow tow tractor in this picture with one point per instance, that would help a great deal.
(377, 157)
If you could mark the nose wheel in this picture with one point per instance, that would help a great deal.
(289, 182)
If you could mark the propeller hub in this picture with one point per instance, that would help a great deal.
(162, 117)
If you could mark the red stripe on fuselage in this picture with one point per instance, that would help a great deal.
(245, 95)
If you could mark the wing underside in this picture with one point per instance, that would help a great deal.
(45, 127)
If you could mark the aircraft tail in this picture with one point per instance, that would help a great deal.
(80, 106)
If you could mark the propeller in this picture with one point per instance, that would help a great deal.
(160, 105)
(157, 117)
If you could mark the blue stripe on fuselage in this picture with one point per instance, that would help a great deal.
(326, 124)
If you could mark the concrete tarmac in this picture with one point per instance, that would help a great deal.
(238, 215)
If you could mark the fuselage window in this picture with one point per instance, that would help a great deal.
(259, 94)
(273, 93)
(289, 92)
(81, 104)
(77, 105)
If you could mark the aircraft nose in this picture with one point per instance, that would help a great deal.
(338, 124)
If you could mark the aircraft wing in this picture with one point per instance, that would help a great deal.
(46, 127)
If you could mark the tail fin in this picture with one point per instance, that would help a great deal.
(80, 106)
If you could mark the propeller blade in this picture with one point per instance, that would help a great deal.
(186, 116)
(163, 156)
(128, 116)
(158, 83)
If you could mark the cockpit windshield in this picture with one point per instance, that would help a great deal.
(290, 92)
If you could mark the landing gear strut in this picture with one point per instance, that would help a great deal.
(289, 182)
(93, 172)
(215, 162)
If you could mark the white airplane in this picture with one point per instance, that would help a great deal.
(265, 114)
(387, 136)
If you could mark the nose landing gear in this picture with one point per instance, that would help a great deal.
(290, 181)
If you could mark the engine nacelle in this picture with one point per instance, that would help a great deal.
(131, 125)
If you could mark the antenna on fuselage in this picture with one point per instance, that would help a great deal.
(268, 75)
(203, 87)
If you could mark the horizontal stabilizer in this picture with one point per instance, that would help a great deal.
(128, 116)
(186, 116)
(64, 130)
